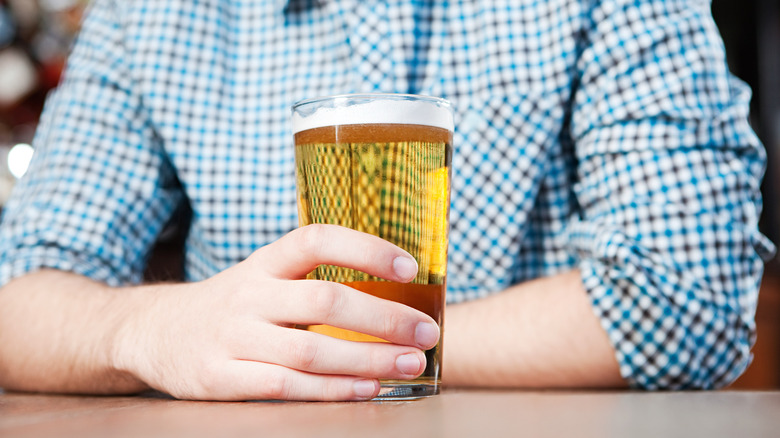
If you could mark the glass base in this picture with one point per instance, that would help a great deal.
(392, 390)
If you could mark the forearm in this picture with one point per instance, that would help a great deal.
(56, 335)
(542, 333)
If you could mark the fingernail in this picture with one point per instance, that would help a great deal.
(405, 267)
(364, 389)
(408, 364)
(426, 335)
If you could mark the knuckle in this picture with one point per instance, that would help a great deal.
(204, 385)
(253, 257)
(394, 322)
(275, 387)
(309, 239)
(379, 362)
(336, 389)
(210, 380)
(325, 302)
(303, 354)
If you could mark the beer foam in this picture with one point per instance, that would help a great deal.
(407, 112)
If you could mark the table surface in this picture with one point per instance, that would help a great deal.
(454, 413)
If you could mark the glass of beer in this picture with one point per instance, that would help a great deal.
(380, 164)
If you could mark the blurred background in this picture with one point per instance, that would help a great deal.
(36, 35)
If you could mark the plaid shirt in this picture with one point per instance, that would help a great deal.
(606, 136)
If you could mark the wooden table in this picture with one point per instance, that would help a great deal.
(452, 414)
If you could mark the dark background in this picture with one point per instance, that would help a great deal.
(35, 36)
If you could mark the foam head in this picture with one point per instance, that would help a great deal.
(372, 109)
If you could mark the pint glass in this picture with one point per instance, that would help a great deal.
(380, 164)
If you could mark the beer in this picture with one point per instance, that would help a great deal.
(391, 180)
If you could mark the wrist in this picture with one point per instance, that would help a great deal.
(127, 338)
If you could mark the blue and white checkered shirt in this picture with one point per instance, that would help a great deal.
(606, 136)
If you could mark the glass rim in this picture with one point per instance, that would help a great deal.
(378, 96)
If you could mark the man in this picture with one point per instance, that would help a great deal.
(605, 201)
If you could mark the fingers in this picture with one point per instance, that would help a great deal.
(272, 361)
(299, 252)
(320, 302)
(316, 353)
(247, 380)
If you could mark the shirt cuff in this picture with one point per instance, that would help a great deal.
(20, 262)
(669, 329)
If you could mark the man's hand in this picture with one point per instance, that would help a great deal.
(232, 337)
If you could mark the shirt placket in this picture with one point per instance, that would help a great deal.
(380, 35)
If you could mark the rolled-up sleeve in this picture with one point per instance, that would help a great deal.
(99, 187)
(668, 184)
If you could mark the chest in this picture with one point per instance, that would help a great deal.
(219, 83)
